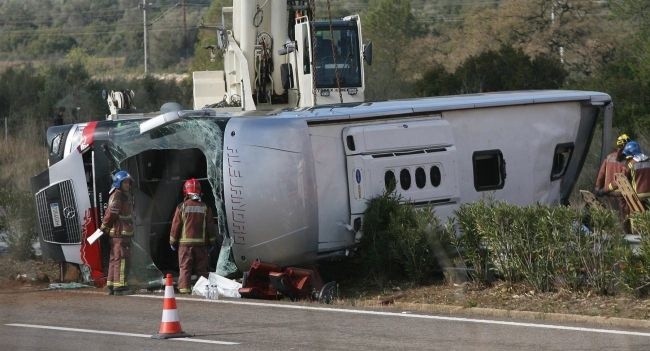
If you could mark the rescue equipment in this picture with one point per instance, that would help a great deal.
(269, 281)
(628, 192)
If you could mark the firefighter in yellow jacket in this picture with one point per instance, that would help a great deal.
(193, 231)
(118, 224)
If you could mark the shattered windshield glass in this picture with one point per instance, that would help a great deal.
(157, 195)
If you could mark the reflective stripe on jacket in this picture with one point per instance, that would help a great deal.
(639, 173)
(193, 224)
(118, 216)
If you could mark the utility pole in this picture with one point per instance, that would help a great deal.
(144, 7)
(184, 29)
(561, 48)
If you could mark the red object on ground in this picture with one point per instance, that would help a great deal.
(256, 284)
(269, 281)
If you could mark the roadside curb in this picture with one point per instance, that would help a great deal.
(527, 315)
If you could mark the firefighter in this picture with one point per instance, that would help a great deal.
(612, 164)
(193, 231)
(118, 224)
(638, 171)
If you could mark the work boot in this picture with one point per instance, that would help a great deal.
(122, 291)
(110, 291)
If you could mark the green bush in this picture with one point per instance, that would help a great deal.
(472, 220)
(546, 247)
(597, 255)
(635, 268)
(400, 242)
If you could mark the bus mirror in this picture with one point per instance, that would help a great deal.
(287, 48)
(222, 38)
(367, 52)
(287, 76)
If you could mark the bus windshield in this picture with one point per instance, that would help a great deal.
(160, 161)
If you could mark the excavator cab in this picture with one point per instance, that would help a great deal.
(337, 59)
(275, 55)
(330, 62)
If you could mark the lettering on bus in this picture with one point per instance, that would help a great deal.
(237, 200)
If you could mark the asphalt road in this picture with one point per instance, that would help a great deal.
(77, 320)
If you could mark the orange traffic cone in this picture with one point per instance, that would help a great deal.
(170, 327)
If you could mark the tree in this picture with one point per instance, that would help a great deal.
(15, 84)
(437, 81)
(16, 25)
(391, 27)
(207, 36)
(509, 69)
(580, 33)
(626, 77)
(494, 70)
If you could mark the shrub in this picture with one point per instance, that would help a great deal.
(595, 255)
(546, 247)
(474, 219)
(400, 242)
(635, 267)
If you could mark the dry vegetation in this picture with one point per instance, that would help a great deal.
(23, 156)
(26, 274)
(502, 296)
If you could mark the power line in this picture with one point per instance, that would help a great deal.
(94, 14)
(173, 28)
(93, 25)
(144, 24)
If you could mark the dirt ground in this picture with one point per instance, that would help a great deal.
(518, 298)
(36, 274)
(26, 274)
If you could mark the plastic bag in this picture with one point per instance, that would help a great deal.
(216, 286)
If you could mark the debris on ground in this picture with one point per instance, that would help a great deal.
(55, 286)
(215, 286)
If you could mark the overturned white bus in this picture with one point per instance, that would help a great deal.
(291, 186)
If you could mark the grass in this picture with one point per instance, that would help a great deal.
(21, 157)
(23, 154)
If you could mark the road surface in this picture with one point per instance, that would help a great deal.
(79, 320)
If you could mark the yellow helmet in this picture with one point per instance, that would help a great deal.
(622, 140)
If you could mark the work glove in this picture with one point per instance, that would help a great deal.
(173, 247)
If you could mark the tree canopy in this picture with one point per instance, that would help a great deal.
(421, 47)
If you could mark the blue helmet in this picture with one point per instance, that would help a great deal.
(119, 177)
(631, 149)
